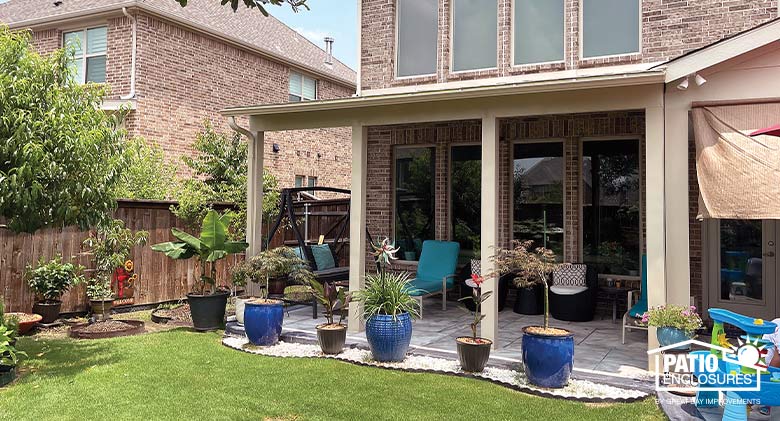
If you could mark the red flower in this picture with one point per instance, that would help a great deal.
(478, 280)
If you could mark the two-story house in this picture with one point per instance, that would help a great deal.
(176, 66)
(601, 129)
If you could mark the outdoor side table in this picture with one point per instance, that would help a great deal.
(613, 294)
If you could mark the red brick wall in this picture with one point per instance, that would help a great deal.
(669, 28)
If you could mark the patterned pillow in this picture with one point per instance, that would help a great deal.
(570, 275)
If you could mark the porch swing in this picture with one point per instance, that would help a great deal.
(322, 258)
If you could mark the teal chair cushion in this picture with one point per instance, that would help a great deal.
(438, 260)
(640, 308)
(299, 253)
(323, 257)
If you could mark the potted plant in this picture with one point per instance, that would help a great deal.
(675, 323)
(49, 280)
(9, 356)
(474, 351)
(109, 246)
(548, 352)
(207, 302)
(331, 336)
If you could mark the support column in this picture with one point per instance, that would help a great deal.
(357, 224)
(655, 173)
(489, 234)
(678, 264)
(254, 198)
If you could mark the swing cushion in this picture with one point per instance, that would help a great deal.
(323, 257)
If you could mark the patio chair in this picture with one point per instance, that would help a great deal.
(573, 293)
(435, 271)
(638, 302)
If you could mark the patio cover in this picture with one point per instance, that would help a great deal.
(739, 175)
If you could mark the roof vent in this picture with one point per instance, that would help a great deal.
(329, 50)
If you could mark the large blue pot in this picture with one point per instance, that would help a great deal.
(389, 337)
(263, 321)
(548, 360)
(671, 335)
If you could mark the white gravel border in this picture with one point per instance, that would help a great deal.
(576, 389)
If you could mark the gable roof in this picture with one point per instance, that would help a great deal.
(246, 27)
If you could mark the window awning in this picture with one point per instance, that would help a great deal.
(739, 175)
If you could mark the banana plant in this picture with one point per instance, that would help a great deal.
(210, 247)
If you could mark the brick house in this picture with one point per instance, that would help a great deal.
(177, 66)
(599, 128)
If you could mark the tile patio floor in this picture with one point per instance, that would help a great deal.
(597, 343)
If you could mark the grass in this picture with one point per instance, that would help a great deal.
(185, 375)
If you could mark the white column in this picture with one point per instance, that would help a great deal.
(254, 197)
(489, 235)
(678, 264)
(357, 224)
(655, 214)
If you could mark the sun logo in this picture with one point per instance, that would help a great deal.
(748, 352)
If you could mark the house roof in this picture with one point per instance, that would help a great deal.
(247, 27)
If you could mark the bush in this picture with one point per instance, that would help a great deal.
(49, 280)
(146, 175)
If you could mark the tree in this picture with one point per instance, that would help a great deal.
(259, 4)
(146, 176)
(60, 155)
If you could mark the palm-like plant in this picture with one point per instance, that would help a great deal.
(209, 248)
(330, 296)
(388, 294)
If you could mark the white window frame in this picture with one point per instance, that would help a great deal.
(84, 48)
(581, 34)
(452, 39)
(303, 77)
(538, 63)
(395, 46)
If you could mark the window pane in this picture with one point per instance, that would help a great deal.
(309, 88)
(96, 69)
(418, 26)
(77, 68)
(538, 195)
(96, 40)
(299, 181)
(741, 268)
(414, 200)
(610, 27)
(312, 181)
(295, 98)
(475, 34)
(610, 212)
(466, 199)
(75, 40)
(296, 84)
(538, 31)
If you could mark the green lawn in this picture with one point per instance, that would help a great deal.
(185, 375)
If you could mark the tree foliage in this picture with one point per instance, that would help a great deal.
(146, 175)
(60, 155)
(259, 4)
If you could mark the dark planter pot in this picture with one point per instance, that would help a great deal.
(473, 357)
(49, 310)
(529, 300)
(7, 374)
(208, 311)
(671, 335)
(331, 340)
(276, 286)
(548, 359)
(503, 292)
(389, 337)
(101, 308)
(263, 321)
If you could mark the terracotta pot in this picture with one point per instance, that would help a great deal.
(473, 356)
(331, 339)
(25, 327)
(49, 310)
(101, 309)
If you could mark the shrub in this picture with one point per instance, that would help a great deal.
(49, 280)
(146, 175)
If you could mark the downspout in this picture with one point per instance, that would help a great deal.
(131, 94)
(233, 125)
(358, 86)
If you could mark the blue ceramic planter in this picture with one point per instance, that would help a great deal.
(389, 338)
(671, 335)
(263, 322)
(548, 360)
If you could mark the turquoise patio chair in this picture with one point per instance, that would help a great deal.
(435, 271)
(638, 304)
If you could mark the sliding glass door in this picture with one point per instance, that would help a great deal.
(466, 199)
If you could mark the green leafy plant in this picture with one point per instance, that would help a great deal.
(530, 268)
(260, 4)
(9, 355)
(478, 297)
(210, 247)
(110, 246)
(146, 175)
(271, 264)
(10, 321)
(331, 297)
(681, 317)
(50, 279)
(387, 293)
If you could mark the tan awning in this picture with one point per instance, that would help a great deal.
(739, 175)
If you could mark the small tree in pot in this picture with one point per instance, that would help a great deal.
(331, 336)
(548, 352)
(49, 280)
(474, 351)
(207, 303)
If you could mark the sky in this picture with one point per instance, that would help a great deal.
(335, 18)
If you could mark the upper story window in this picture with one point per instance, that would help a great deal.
(89, 60)
(474, 34)
(610, 27)
(302, 88)
(538, 31)
(417, 31)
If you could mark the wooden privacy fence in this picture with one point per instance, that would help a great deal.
(159, 277)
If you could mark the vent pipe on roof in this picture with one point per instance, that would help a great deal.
(329, 50)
